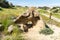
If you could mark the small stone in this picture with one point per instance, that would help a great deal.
(10, 28)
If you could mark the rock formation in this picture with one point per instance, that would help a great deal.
(31, 15)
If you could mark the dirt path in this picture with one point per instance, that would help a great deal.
(33, 33)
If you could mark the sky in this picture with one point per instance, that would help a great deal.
(49, 3)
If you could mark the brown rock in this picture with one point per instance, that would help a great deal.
(29, 15)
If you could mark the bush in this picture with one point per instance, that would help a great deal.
(0, 8)
(47, 31)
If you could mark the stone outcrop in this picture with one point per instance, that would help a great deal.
(29, 18)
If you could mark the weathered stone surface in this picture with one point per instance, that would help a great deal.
(29, 15)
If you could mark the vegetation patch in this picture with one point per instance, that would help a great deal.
(47, 31)
(42, 11)
(14, 37)
(6, 20)
(56, 15)
(0, 8)
(47, 20)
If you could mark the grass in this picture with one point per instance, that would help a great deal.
(7, 14)
(15, 35)
(45, 12)
(56, 15)
(14, 38)
(42, 11)
(6, 19)
(53, 14)
(47, 20)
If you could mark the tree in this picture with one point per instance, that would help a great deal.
(2, 0)
(45, 8)
(26, 6)
(5, 4)
(53, 11)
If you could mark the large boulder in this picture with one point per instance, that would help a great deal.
(29, 15)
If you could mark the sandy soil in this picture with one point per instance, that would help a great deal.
(33, 33)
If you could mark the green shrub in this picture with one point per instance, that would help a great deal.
(0, 8)
(47, 31)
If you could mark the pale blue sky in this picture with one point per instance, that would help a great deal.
(49, 3)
